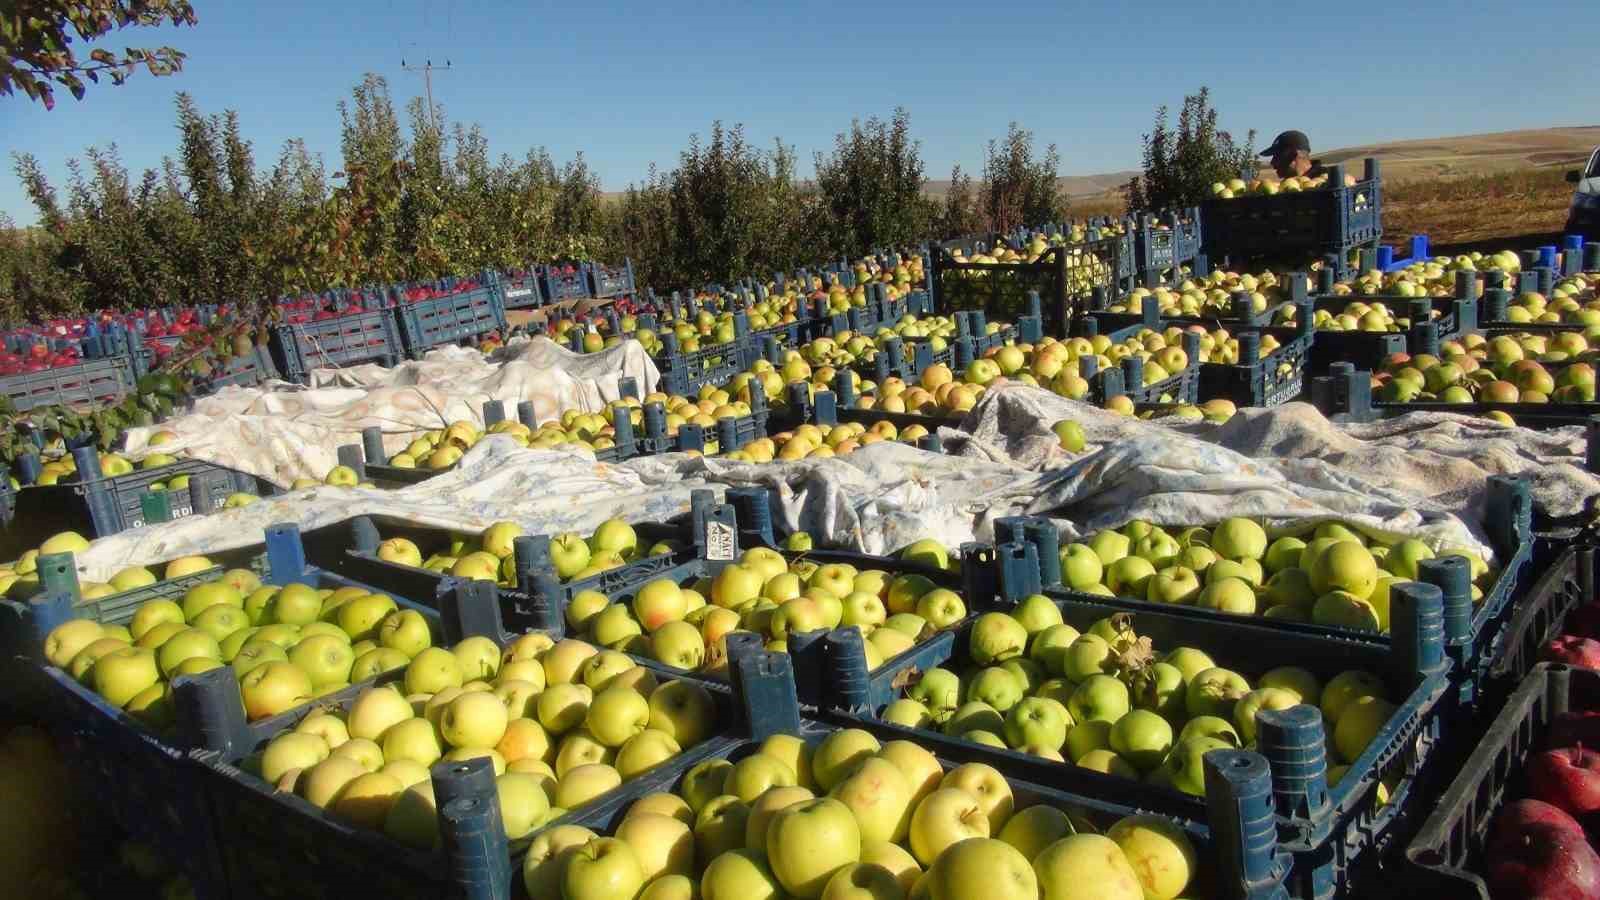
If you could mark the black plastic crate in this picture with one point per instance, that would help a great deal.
(1433, 319)
(1278, 378)
(464, 316)
(1242, 313)
(1321, 221)
(368, 336)
(1063, 277)
(143, 780)
(98, 506)
(1446, 855)
(539, 599)
(1240, 864)
(1337, 837)
(1346, 395)
(1127, 378)
(1475, 631)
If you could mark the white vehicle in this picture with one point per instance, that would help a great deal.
(1584, 216)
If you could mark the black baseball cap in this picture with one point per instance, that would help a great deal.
(1288, 140)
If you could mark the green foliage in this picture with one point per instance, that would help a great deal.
(872, 186)
(958, 215)
(1180, 166)
(1019, 190)
(38, 35)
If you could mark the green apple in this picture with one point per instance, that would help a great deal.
(1211, 727)
(186, 644)
(996, 637)
(616, 536)
(545, 865)
(1284, 553)
(928, 552)
(1049, 647)
(149, 614)
(905, 591)
(996, 687)
(1346, 687)
(220, 620)
(570, 554)
(1035, 828)
(272, 688)
(325, 659)
(1089, 655)
(1085, 737)
(1173, 584)
(359, 616)
(1345, 566)
(433, 670)
(1160, 852)
(720, 826)
(1084, 866)
(1244, 712)
(938, 689)
(1081, 566)
(941, 608)
(1341, 609)
(293, 604)
(879, 797)
(1070, 435)
(907, 713)
(1239, 538)
(839, 754)
(644, 751)
(124, 673)
(1184, 765)
(1130, 576)
(974, 716)
(209, 594)
(982, 869)
(1037, 722)
(1110, 546)
(1142, 738)
(1229, 595)
(1214, 692)
(705, 781)
(374, 710)
(945, 817)
(1099, 698)
(738, 874)
(603, 869)
(255, 654)
(1359, 722)
(412, 739)
(683, 710)
(407, 631)
(1189, 661)
(659, 602)
(372, 663)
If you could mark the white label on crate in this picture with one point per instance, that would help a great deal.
(720, 541)
(519, 292)
(181, 511)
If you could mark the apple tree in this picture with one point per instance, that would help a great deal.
(38, 36)
(1180, 166)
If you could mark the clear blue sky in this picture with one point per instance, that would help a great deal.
(627, 85)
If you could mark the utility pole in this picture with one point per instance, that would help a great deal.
(427, 69)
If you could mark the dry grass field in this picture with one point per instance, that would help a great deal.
(1472, 192)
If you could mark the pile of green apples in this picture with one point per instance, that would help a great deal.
(1506, 368)
(687, 626)
(1335, 575)
(287, 645)
(850, 818)
(1366, 315)
(1572, 302)
(490, 555)
(561, 722)
(1106, 700)
(1212, 296)
(1267, 187)
(20, 579)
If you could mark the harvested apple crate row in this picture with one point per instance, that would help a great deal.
(676, 610)
(130, 740)
(802, 809)
(1381, 718)
(412, 790)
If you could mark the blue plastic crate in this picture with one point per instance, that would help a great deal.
(1169, 249)
(1445, 858)
(97, 506)
(1335, 837)
(563, 282)
(369, 336)
(465, 316)
(610, 280)
(1329, 220)
(105, 375)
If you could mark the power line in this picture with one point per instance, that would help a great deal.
(427, 69)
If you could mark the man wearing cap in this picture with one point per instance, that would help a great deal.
(1290, 154)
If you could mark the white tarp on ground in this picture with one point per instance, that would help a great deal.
(283, 431)
(1420, 475)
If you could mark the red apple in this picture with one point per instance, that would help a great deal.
(1538, 859)
(1568, 778)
